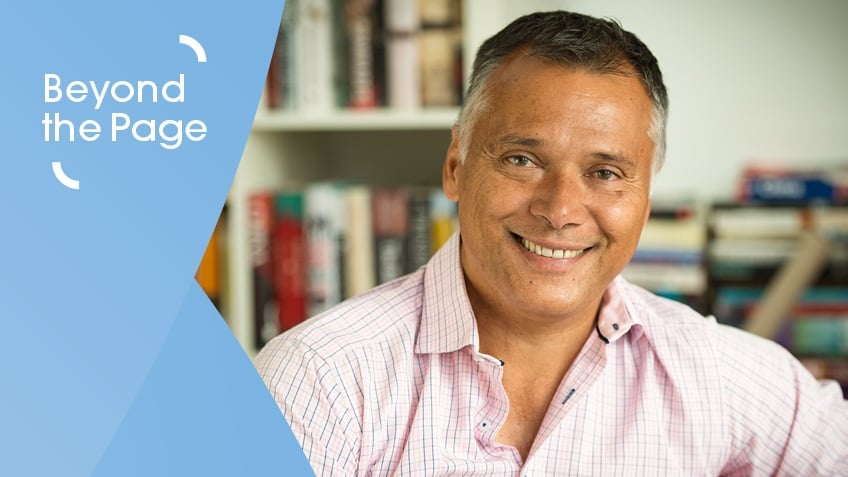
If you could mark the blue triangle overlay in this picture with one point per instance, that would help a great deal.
(198, 409)
(110, 360)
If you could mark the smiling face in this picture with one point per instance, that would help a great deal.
(554, 191)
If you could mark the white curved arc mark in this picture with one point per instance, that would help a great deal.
(195, 46)
(63, 178)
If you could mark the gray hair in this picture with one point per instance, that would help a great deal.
(572, 40)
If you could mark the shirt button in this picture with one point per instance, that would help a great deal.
(484, 424)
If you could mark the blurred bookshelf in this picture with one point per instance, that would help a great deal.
(360, 99)
(718, 257)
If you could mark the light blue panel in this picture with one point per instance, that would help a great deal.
(92, 280)
(198, 410)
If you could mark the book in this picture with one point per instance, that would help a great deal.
(403, 77)
(289, 255)
(418, 240)
(751, 241)
(360, 274)
(443, 219)
(313, 61)
(748, 221)
(390, 216)
(669, 258)
(819, 335)
(211, 270)
(325, 228)
(798, 183)
(440, 44)
(260, 222)
(669, 279)
(438, 53)
(672, 240)
(361, 26)
(270, 97)
(280, 87)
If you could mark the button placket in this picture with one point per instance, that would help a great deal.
(492, 411)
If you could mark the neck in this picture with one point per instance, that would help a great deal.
(520, 336)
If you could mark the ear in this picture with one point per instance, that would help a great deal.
(647, 212)
(452, 169)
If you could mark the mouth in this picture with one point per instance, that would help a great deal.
(549, 252)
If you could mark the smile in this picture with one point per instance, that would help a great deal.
(550, 253)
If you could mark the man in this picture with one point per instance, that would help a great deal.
(518, 350)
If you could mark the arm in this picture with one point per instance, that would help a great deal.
(817, 443)
(782, 420)
(308, 390)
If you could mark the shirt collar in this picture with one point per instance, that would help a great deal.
(616, 317)
(447, 320)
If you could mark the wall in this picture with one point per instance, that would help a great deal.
(764, 79)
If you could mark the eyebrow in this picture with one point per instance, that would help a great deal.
(613, 157)
(513, 140)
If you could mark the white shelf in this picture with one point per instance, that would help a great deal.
(353, 120)
(378, 146)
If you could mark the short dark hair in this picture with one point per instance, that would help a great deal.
(573, 40)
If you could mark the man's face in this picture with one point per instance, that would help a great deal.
(555, 189)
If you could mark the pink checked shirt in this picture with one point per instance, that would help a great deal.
(392, 383)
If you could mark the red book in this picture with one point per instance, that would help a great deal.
(289, 260)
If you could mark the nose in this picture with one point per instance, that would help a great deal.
(560, 200)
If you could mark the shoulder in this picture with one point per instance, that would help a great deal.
(382, 321)
(776, 417)
(686, 338)
(663, 318)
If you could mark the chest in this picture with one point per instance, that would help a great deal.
(456, 417)
(529, 394)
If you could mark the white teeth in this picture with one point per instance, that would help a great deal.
(550, 253)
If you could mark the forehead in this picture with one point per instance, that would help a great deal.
(528, 93)
(537, 80)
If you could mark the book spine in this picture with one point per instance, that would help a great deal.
(324, 243)
(209, 274)
(418, 244)
(270, 93)
(359, 26)
(443, 220)
(390, 216)
(440, 53)
(289, 260)
(359, 253)
(288, 58)
(261, 210)
(403, 76)
(791, 189)
(314, 61)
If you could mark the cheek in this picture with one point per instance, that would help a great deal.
(624, 220)
(486, 196)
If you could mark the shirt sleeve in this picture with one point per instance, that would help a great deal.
(310, 394)
(782, 420)
(818, 440)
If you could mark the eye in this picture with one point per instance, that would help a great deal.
(518, 160)
(605, 175)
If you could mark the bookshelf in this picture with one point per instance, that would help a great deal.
(375, 147)
(781, 271)
(347, 120)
